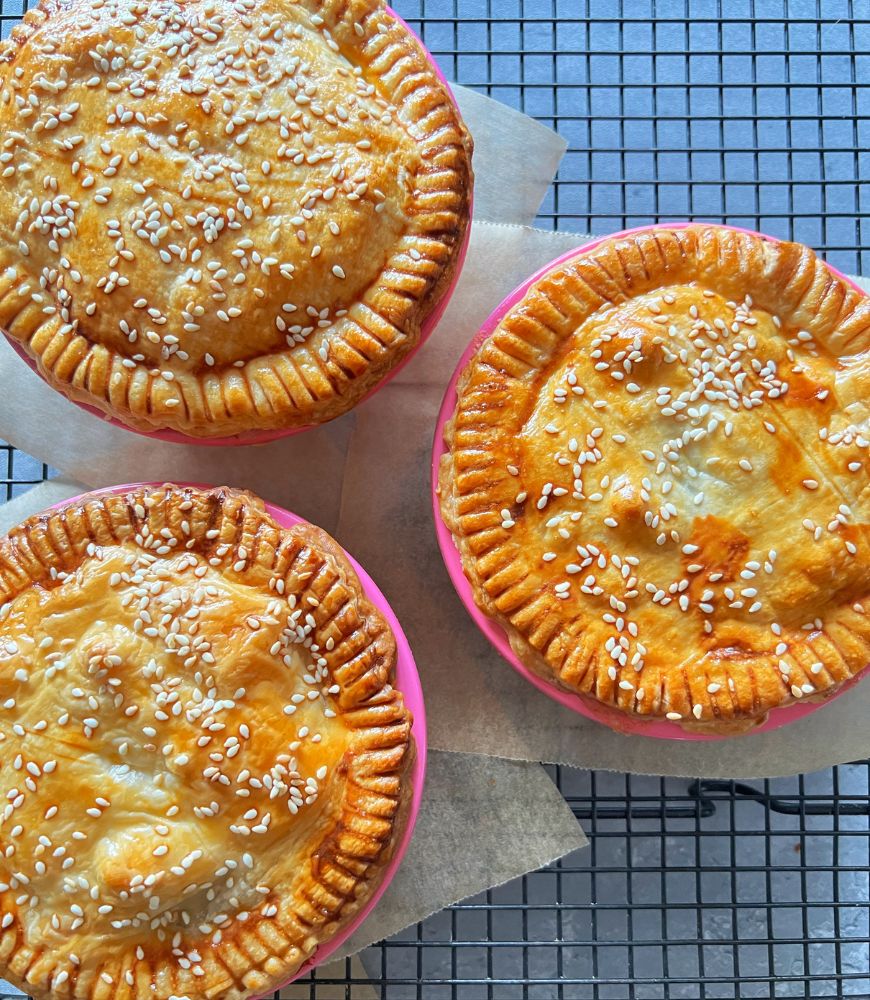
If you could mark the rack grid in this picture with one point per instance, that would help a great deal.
(755, 113)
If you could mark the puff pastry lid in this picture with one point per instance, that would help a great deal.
(657, 476)
(202, 756)
(223, 216)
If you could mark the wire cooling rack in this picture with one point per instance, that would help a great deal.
(752, 113)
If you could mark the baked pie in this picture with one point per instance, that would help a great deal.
(218, 216)
(203, 757)
(657, 476)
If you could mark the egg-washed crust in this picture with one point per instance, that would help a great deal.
(581, 457)
(257, 356)
(332, 871)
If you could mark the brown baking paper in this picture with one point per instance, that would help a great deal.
(459, 846)
(476, 702)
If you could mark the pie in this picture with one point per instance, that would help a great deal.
(218, 217)
(204, 758)
(657, 477)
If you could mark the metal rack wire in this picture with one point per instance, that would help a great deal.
(757, 113)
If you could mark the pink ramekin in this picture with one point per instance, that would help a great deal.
(264, 437)
(660, 729)
(407, 681)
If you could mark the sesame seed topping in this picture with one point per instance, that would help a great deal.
(640, 510)
(226, 244)
(145, 686)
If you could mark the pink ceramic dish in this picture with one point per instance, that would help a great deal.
(492, 630)
(264, 437)
(407, 681)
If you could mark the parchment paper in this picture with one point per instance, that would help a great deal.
(475, 701)
(483, 820)
(475, 811)
(302, 473)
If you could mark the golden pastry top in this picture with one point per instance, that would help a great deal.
(198, 744)
(658, 475)
(199, 191)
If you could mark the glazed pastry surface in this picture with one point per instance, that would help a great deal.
(223, 216)
(202, 757)
(657, 476)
